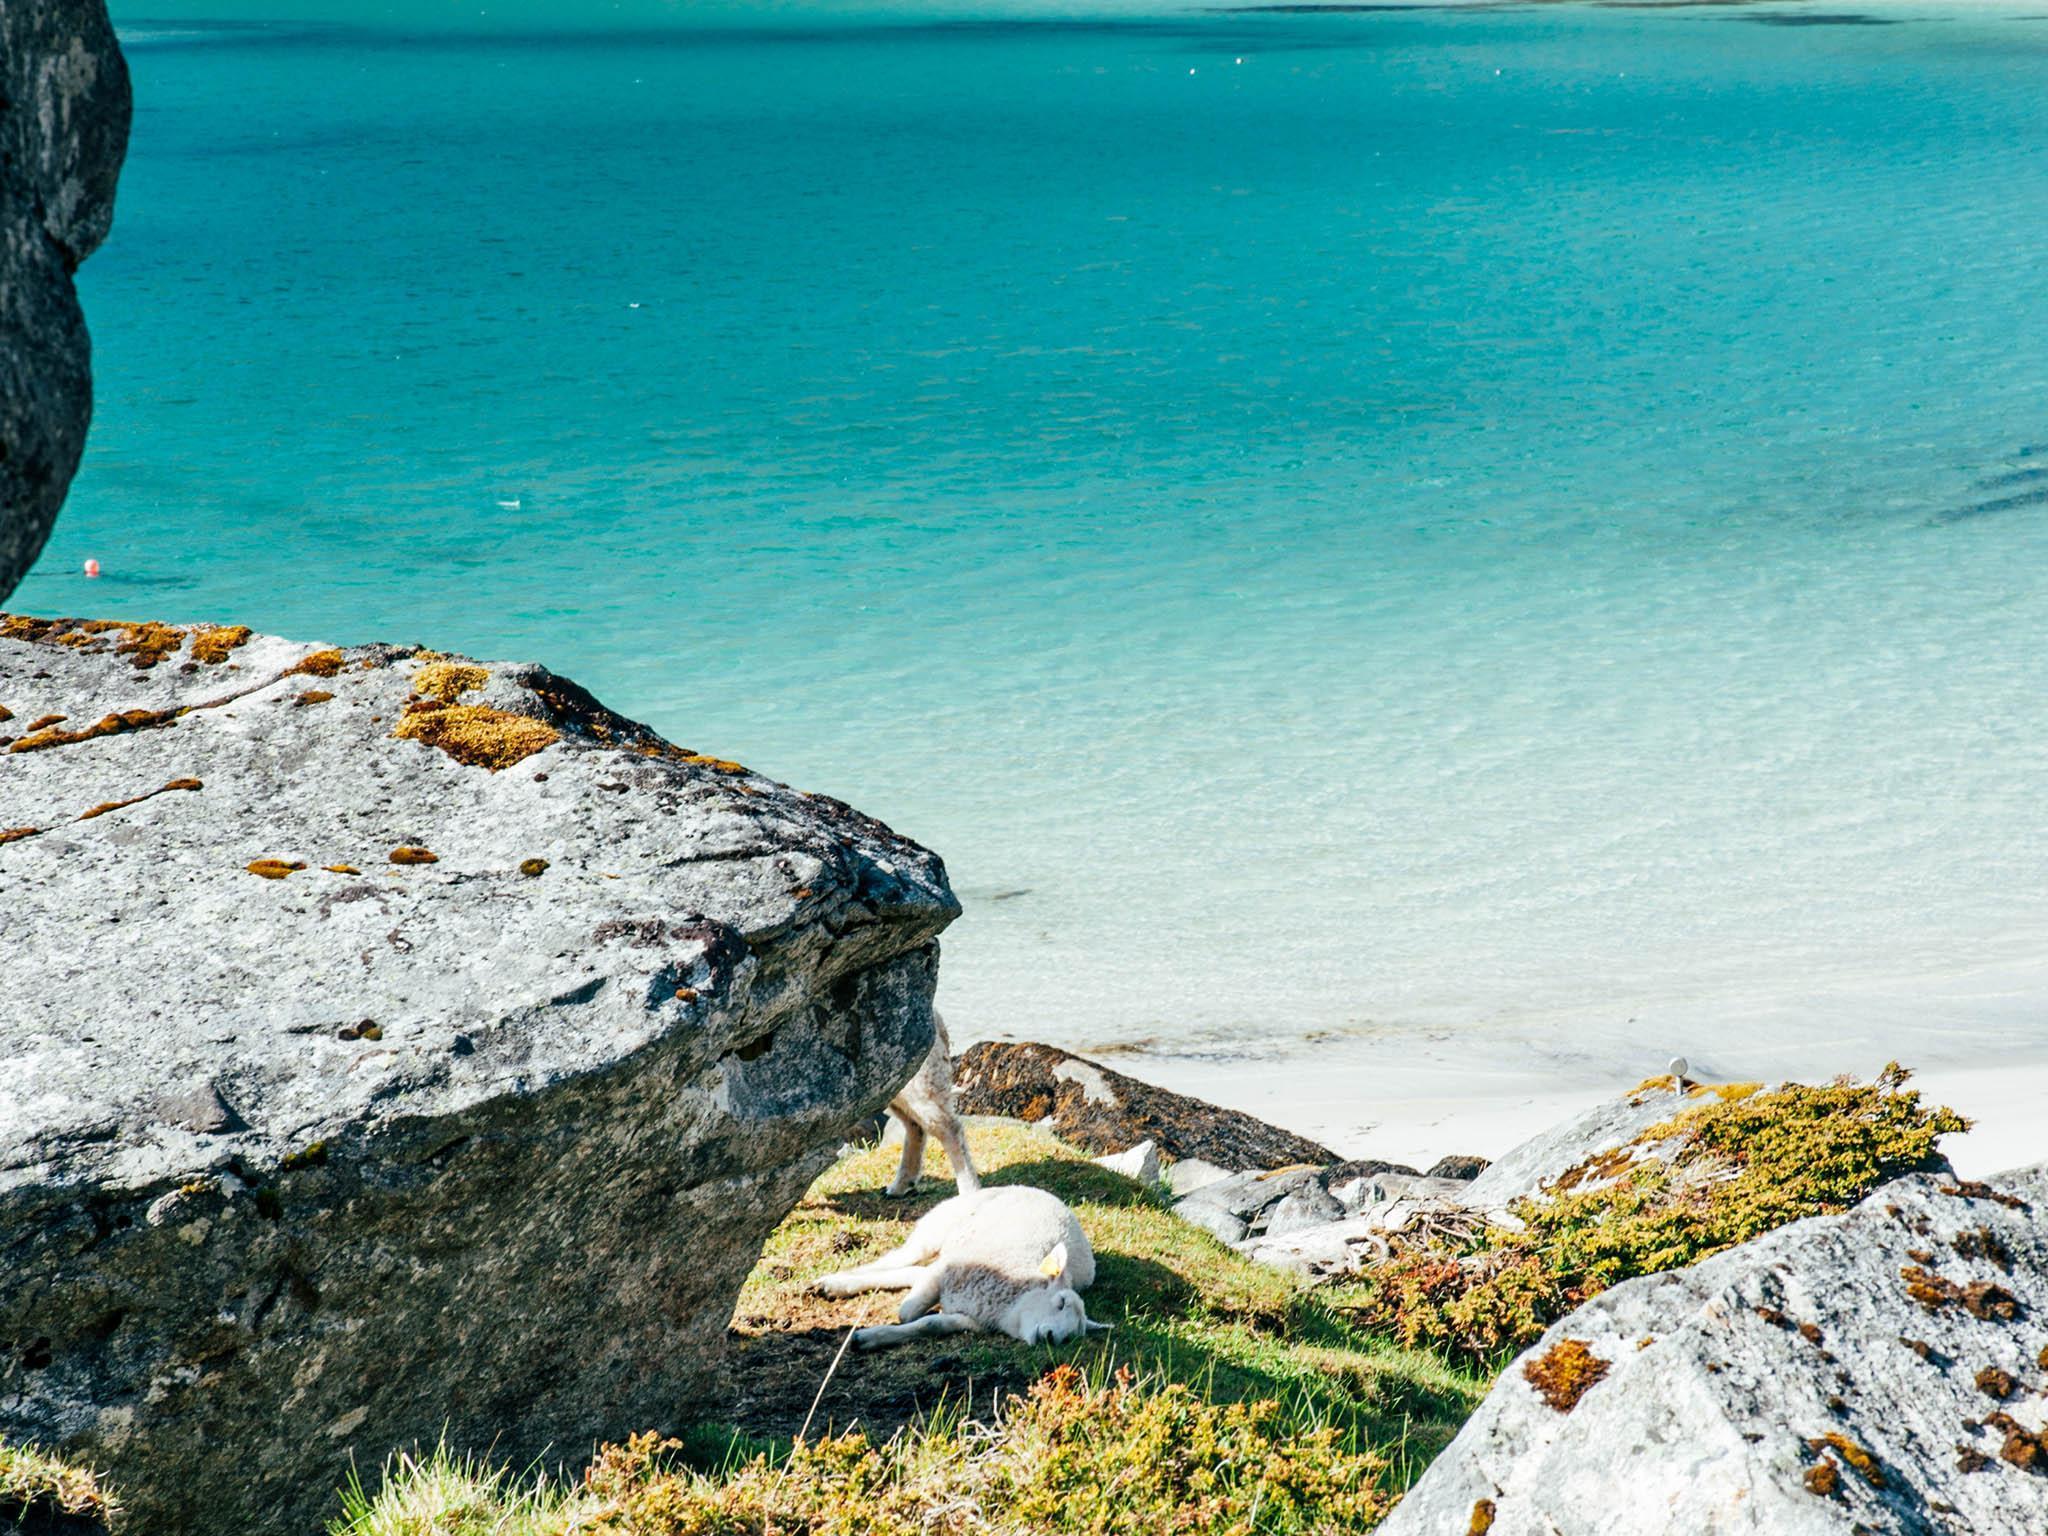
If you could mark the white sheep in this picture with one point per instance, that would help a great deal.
(1013, 1260)
(926, 1105)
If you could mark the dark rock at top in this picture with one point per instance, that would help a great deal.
(1102, 1110)
(1458, 1167)
(64, 112)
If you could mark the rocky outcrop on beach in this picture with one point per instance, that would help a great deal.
(1593, 1147)
(1880, 1371)
(64, 112)
(1101, 1110)
(400, 1045)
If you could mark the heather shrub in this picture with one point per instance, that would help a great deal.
(1738, 1163)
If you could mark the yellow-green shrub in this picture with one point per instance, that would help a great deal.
(1126, 1457)
(1743, 1165)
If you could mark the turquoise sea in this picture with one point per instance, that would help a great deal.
(1517, 526)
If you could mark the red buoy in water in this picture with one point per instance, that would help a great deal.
(92, 567)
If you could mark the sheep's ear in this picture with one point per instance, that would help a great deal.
(1054, 1264)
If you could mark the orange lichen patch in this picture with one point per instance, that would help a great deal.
(1861, 1462)
(318, 664)
(341, 869)
(1981, 1299)
(213, 645)
(406, 854)
(44, 722)
(447, 680)
(533, 868)
(272, 869)
(1972, 1189)
(477, 734)
(1482, 1518)
(715, 764)
(1970, 1459)
(1993, 1382)
(2025, 1448)
(116, 805)
(312, 696)
(1599, 1168)
(16, 834)
(6, 714)
(1822, 1478)
(1565, 1374)
(110, 725)
(2042, 1358)
(146, 642)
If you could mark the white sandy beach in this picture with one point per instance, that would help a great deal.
(1975, 1040)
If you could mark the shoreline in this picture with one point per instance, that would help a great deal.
(1975, 1039)
(1437, 1111)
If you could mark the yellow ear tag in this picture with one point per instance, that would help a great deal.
(1049, 1265)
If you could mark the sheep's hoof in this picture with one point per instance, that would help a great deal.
(896, 1192)
(864, 1338)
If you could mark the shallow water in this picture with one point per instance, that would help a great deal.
(1511, 533)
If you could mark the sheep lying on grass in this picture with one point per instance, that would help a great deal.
(926, 1106)
(1013, 1260)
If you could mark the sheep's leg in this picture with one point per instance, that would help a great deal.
(885, 1334)
(913, 1154)
(948, 1131)
(924, 1294)
(871, 1277)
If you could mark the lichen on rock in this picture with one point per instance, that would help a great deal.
(1719, 1411)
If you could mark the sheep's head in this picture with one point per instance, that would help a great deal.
(1052, 1313)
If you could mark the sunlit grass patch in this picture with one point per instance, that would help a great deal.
(1186, 1309)
(42, 1492)
(1120, 1457)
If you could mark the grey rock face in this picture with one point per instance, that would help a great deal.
(63, 131)
(361, 1085)
(1571, 1150)
(1881, 1371)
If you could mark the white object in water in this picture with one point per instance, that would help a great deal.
(510, 506)
(1680, 1067)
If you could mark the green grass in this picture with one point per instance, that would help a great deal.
(41, 1491)
(1186, 1309)
(1228, 1399)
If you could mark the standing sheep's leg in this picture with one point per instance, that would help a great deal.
(936, 1323)
(913, 1154)
(924, 1294)
(947, 1129)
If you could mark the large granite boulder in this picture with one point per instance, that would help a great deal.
(63, 131)
(399, 1045)
(1102, 1110)
(1881, 1371)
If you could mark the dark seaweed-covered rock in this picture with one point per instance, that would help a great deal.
(1458, 1167)
(326, 1128)
(1824, 1379)
(1102, 1110)
(63, 131)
